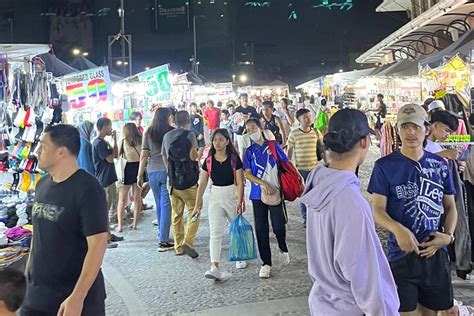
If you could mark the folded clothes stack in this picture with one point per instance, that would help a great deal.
(10, 255)
(19, 235)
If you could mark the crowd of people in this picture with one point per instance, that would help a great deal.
(183, 153)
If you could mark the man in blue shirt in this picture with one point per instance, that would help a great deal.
(413, 198)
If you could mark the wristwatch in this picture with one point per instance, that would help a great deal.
(453, 238)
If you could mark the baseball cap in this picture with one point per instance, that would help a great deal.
(436, 104)
(352, 121)
(412, 113)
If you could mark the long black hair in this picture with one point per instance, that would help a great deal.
(160, 125)
(230, 149)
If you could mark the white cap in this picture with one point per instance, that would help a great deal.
(436, 104)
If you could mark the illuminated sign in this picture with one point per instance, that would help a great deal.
(87, 88)
(158, 84)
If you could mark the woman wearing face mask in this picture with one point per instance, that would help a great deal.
(224, 167)
(260, 169)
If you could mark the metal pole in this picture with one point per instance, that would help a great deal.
(195, 68)
(11, 30)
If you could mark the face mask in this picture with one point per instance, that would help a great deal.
(255, 136)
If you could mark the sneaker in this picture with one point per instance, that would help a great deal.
(190, 251)
(155, 222)
(241, 264)
(213, 274)
(284, 258)
(115, 238)
(165, 246)
(111, 245)
(265, 272)
(146, 207)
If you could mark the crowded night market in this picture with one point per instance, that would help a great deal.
(237, 157)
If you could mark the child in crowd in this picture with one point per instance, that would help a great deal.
(12, 291)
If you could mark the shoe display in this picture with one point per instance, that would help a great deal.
(265, 272)
(284, 258)
(213, 274)
(241, 264)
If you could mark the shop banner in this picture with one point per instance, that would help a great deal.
(158, 86)
(171, 16)
(87, 88)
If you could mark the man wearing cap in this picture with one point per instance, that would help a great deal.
(413, 197)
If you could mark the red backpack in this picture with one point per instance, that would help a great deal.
(290, 179)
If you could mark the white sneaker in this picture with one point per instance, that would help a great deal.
(265, 272)
(284, 258)
(241, 264)
(155, 222)
(213, 274)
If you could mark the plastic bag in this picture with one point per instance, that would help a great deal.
(242, 240)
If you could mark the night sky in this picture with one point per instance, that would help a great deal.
(320, 40)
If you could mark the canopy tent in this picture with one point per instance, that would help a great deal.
(378, 70)
(56, 65)
(464, 45)
(402, 68)
(351, 76)
(18, 52)
(316, 81)
(82, 63)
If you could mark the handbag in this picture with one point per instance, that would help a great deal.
(271, 199)
(271, 176)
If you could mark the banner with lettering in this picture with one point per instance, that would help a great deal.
(158, 86)
(88, 88)
(172, 16)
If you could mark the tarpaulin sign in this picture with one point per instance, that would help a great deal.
(158, 86)
(87, 88)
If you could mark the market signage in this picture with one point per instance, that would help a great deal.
(171, 16)
(87, 88)
(158, 86)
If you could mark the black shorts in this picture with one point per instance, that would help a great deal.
(423, 281)
(131, 173)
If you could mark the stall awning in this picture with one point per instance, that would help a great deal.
(56, 66)
(310, 83)
(402, 68)
(350, 76)
(418, 37)
(18, 52)
(464, 45)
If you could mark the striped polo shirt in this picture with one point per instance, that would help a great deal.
(304, 148)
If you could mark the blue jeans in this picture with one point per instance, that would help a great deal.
(304, 174)
(157, 182)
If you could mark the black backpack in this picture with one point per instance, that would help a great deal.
(182, 171)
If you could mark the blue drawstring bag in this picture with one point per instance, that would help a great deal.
(242, 240)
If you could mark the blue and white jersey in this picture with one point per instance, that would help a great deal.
(256, 158)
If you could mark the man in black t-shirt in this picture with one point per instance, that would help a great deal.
(70, 233)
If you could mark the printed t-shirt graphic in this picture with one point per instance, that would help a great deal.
(414, 192)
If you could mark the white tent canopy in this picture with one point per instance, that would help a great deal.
(18, 52)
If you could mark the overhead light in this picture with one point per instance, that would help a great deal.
(85, 54)
(243, 78)
(340, 70)
(126, 63)
(76, 51)
(119, 63)
(147, 68)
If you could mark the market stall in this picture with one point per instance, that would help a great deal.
(28, 102)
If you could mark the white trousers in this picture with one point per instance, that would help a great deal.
(222, 207)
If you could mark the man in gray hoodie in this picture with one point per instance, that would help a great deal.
(350, 273)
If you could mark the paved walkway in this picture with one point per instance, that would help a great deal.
(142, 281)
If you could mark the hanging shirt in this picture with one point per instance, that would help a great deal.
(256, 159)
(414, 191)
